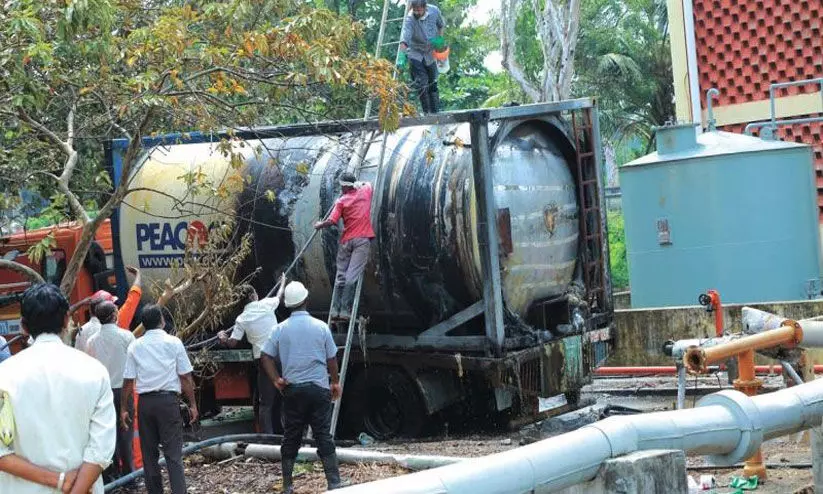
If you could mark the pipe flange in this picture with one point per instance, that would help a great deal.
(747, 416)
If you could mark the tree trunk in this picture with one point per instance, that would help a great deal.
(122, 188)
(557, 27)
(26, 271)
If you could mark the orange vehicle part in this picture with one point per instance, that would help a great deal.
(51, 268)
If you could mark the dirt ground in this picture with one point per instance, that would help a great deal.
(788, 458)
(780, 455)
(250, 476)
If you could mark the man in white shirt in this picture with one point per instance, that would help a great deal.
(257, 323)
(92, 326)
(64, 420)
(110, 346)
(158, 365)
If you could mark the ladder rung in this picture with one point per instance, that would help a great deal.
(590, 182)
(584, 127)
(395, 19)
(586, 155)
(391, 43)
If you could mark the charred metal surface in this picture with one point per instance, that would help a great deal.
(424, 266)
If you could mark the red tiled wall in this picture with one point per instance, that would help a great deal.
(743, 46)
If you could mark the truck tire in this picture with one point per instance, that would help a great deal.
(384, 403)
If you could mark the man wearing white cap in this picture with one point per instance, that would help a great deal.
(308, 355)
(354, 207)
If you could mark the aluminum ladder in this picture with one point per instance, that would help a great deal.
(356, 165)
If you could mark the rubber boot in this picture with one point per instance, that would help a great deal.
(334, 312)
(288, 470)
(346, 301)
(332, 470)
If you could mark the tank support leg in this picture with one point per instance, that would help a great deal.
(487, 230)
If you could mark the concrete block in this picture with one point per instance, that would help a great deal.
(639, 472)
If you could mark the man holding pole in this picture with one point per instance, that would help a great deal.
(257, 323)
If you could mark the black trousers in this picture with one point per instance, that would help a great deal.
(424, 81)
(160, 424)
(304, 405)
(268, 403)
(122, 462)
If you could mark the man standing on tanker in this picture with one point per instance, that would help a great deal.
(354, 207)
(422, 33)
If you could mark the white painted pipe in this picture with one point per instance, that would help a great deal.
(728, 426)
(412, 462)
(756, 321)
(812, 334)
(680, 347)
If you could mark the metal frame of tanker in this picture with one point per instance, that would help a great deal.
(497, 362)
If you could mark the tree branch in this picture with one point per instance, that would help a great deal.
(564, 79)
(44, 130)
(26, 271)
(508, 20)
(90, 228)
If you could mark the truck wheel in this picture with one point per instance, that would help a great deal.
(385, 403)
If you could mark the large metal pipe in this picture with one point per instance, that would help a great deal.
(671, 370)
(697, 358)
(346, 455)
(728, 426)
(757, 321)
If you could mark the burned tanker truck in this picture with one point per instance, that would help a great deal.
(488, 291)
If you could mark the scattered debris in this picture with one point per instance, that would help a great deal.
(365, 439)
(744, 483)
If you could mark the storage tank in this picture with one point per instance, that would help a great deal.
(720, 211)
(425, 263)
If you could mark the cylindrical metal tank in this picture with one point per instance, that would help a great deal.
(425, 263)
(721, 211)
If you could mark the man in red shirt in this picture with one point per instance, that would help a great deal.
(354, 206)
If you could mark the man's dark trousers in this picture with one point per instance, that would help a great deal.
(424, 80)
(160, 423)
(122, 462)
(303, 405)
(269, 402)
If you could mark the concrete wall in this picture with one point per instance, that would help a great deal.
(641, 333)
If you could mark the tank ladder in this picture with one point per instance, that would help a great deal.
(356, 164)
(591, 219)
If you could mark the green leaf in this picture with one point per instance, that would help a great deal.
(41, 249)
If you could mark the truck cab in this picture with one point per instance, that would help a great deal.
(96, 273)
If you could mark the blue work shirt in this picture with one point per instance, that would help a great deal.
(303, 344)
(417, 33)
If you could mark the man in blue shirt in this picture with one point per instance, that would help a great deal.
(308, 355)
(422, 33)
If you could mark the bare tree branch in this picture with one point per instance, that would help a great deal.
(508, 20)
(26, 271)
(90, 228)
(557, 25)
(44, 130)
